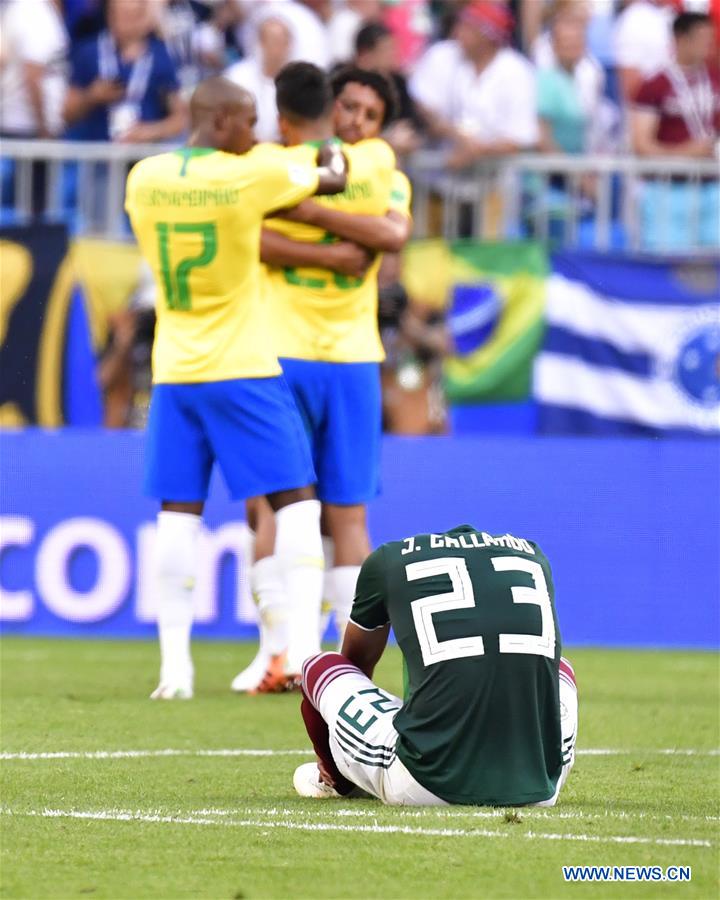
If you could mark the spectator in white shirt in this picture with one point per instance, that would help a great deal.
(476, 92)
(256, 73)
(642, 42)
(307, 20)
(33, 50)
(575, 117)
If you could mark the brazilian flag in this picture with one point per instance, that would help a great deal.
(494, 294)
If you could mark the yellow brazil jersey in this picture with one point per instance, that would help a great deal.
(197, 215)
(317, 314)
(400, 193)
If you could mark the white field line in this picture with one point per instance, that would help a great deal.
(669, 751)
(116, 815)
(498, 814)
(144, 754)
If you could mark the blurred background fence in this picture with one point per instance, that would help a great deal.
(588, 201)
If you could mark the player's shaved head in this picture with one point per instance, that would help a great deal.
(217, 95)
(222, 115)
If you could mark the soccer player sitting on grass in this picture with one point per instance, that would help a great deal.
(218, 392)
(490, 716)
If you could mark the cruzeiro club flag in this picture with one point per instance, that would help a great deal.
(631, 346)
(494, 294)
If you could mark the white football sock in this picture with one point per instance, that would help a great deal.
(328, 595)
(251, 675)
(298, 548)
(248, 550)
(176, 560)
(344, 582)
(266, 578)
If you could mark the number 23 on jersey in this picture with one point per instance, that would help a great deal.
(462, 596)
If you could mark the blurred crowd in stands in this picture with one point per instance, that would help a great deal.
(488, 78)
(479, 79)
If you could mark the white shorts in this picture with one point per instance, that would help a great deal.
(362, 735)
(568, 726)
(363, 738)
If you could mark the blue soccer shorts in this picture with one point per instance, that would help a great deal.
(250, 426)
(341, 405)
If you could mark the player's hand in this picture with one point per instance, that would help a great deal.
(104, 92)
(347, 258)
(325, 776)
(330, 156)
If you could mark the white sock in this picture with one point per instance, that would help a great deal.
(248, 556)
(328, 595)
(344, 582)
(266, 578)
(298, 548)
(176, 561)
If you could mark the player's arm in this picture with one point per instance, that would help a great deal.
(367, 631)
(388, 233)
(345, 258)
(284, 176)
(364, 648)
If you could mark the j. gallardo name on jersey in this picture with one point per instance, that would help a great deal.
(470, 541)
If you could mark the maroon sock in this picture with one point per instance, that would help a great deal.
(318, 731)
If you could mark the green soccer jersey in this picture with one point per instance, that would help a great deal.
(475, 619)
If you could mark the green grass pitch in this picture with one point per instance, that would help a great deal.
(191, 823)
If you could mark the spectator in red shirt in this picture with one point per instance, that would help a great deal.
(677, 113)
(642, 40)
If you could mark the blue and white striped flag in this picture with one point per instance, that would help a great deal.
(631, 347)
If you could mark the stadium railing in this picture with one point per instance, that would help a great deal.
(589, 201)
(597, 202)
